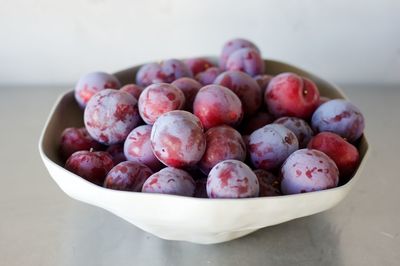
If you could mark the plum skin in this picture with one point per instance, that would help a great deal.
(308, 170)
(158, 99)
(216, 105)
(223, 143)
(299, 127)
(171, 181)
(164, 72)
(177, 139)
(75, 139)
(127, 176)
(190, 87)
(133, 89)
(341, 117)
(343, 153)
(110, 115)
(91, 83)
(208, 76)
(270, 145)
(232, 179)
(137, 147)
(247, 60)
(288, 94)
(92, 166)
(245, 87)
(263, 81)
(198, 64)
(232, 46)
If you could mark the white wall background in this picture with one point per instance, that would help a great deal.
(54, 42)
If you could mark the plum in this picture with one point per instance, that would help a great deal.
(208, 76)
(270, 145)
(133, 89)
(110, 115)
(198, 64)
(189, 87)
(341, 117)
(90, 165)
(308, 170)
(165, 72)
(127, 176)
(91, 83)
(158, 99)
(76, 139)
(288, 94)
(232, 179)
(223, 143)
(245, 87)
(299, 127)
(263, 81)
(170, 181)
(177, 139)
(247, 60)
(216, 105)
(344, 154)
(231, 46)
(137, 147)
(148, 74)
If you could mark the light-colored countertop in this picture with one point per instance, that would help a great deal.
(40, 225)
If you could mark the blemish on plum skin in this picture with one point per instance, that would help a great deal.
(243, 189)
(104, 138)
(171, 96)
(309, 172)
(339, 117)
(153, 181)
(289, 139)
(123, 169)
(110, 85)
(225, 175)
(271, 96)
(122, 111)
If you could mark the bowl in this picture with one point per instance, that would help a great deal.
(197, 220)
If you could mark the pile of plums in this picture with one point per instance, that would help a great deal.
(226, 130)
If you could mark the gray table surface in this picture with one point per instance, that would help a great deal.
(40, 225)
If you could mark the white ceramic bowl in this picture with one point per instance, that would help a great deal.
(172, 217)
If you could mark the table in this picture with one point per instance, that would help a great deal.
(40, 225)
